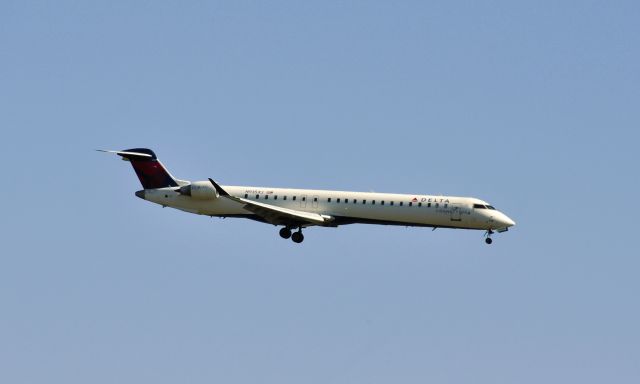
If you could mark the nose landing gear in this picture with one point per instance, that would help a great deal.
(488, 239)
(296, 237)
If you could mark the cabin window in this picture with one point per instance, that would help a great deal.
(315, 199)
(446, 205)
(338, 200)
(411, 204)
(284, 198)
(437, 205)
(401, 203)
(346, 201)
(391, 203)
(304, 198)
(419, 204)
(364, 201)
(246, 195)
(328, 200)
(275, 197)
(428, 205)
(382, 202)
(294, 198)
(266, 197)
(257, 197)
(373, 202)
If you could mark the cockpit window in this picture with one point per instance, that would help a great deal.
(482, 206)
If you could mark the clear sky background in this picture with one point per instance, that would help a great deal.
(532, 106)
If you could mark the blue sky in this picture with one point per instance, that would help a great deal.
(532, 106)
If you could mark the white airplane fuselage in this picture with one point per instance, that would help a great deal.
(347, 207)
(300, 208)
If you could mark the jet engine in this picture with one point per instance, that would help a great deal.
(199, 190)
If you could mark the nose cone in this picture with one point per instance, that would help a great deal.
(506, 221)
(140, 194)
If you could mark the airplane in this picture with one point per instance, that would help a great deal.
(301, 208)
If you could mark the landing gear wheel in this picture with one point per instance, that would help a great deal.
(297, 237)
(488, 240)
(285, 233)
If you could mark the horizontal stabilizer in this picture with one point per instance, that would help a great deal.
(127, 154)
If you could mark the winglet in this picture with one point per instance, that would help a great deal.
(218, 188)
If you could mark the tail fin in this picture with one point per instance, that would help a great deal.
(149, 169)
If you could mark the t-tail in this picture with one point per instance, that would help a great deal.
(150, 171)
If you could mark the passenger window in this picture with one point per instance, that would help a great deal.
(304, 198)
(411, 204)
(246, 195)
(329, 200)
(382, 202)
(257, 197)
(338, 200)
(391, 203)
(284, 198)
(355, 201)
(346, 201)
(428, 205)
(373, 202)
(275, 197)
(364, 201)
(294, 198)
(419, 204)
(401, 203)
(446, 205)
(266, 197)
(315, 199)
(437, 205)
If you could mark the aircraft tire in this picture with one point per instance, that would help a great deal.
(285, 233)
(488, 240)
(297, 237)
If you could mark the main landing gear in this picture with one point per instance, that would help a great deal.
(488, 240)
(285, 233)
(296, 237)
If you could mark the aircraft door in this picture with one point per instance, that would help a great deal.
(456, 212)
(303, 201)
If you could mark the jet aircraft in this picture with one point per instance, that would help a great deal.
(295, 209)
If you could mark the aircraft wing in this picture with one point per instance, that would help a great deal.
(277, 215)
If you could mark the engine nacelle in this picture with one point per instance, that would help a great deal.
(199, 190)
